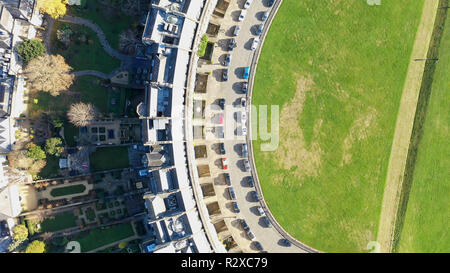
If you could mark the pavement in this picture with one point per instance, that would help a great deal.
(242, 57)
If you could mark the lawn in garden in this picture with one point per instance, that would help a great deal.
(426, 223)
(112, 21)
(337, 71)
(85, 51)
(59, 221)
(75, 189)
(51, 169)
(108, 158)
(103, 236)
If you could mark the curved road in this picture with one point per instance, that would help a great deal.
(243, 56)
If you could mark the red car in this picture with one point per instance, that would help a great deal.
(224, 163)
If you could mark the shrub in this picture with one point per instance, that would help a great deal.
(30, 49)
(202, 47)
(34, 151)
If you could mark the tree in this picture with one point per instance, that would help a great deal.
(57, 121)
(18, 159)
(54, 8)
(82, 114)
(128, 40)
(20, 233)
(49, 73)
(30, 49)
(53, 146)
(35, 247)
(35, 151)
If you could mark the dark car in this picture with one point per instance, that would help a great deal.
(236, 207)
(267, 221)
(250, 181)
(244, 87)
(244, 150)
(259, 29)
(227, 179)
(285, 242)
(222, 103)
(225, 75)
(231, 44)
(244, 225)
(270, 3)
(222, 148)
(258, 245)
(231, 192)
(227, 60)
(255, 196)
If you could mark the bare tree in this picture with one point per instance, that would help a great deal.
(82, 114)
(128, 40)
(49, 73)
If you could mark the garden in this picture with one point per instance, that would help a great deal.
(108, 158)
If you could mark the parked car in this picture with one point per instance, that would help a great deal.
(267, 221)
(261, 211)
(255, 196)
(244, 87)
(285, 242)
(222, 103)
(247, 4)
(264, 16)
(227, 60)
(255, 43)
(250, 181)
(244, 150)
(247, 165)
(258, 246)
(243, 116)
(243, 102)
(224, 163)
(270, 3)
(250, 235)
(244, 225)
(225, 75)
(236, 207)
(227, 179)
(243, 130)
(242, 15)
(232, 193)
(222, 148)
(246, 72)
(231, 44)
(259, 29)
(236, 30)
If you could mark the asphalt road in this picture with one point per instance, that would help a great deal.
(231, 90)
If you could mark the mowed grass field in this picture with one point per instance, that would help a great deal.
(426, 223)
(337, 71)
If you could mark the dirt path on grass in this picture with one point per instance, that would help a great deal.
(404, 126)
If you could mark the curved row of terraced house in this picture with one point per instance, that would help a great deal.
(175, 214)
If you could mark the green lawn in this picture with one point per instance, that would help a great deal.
(51, 169)
(103, 236)
(426, 223)
(85, 51)
(70, 132)
(337, 71)
(68, 190)
(60, 221)
(107, 158)
(111, 21)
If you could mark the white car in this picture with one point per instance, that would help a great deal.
(247, 4)
(244, 102)
(242, 15)
(255, 43)
(244, 130)
(243, 117)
